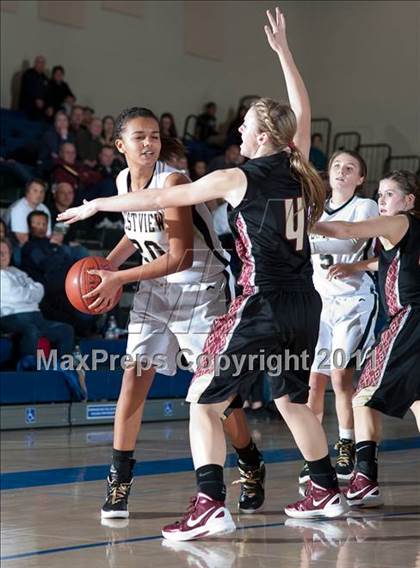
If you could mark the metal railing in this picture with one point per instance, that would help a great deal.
(346, 141)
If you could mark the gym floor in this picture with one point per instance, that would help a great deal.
(53, 489)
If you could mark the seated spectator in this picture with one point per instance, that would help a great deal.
(16, 250)
(53, 139)
(233, 135)
(20, 313)
(59, 94)
(46, 260)
(33, 90)
(107, 136)
(230, 159)
(67, 169)
(88, 143)
(206, 123)
(108, 165)
(88, 114)
(167, 126)
(76, 119)
(198, 169)
(17, 214)
(63, 198)
(316, 154)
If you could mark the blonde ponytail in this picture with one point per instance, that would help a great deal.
(313, 188)
(279, 121)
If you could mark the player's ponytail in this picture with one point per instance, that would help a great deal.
(279, 121)
(313, 187)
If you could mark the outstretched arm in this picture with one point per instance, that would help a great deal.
(391, 228)
(296, 90)
(229, 185)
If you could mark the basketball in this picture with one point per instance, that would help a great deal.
(79, 282)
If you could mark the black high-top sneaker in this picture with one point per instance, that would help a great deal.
(346, 451)
(252, 480)
(117, 492)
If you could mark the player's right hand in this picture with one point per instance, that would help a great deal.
(80, 213)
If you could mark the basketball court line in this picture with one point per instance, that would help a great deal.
(48, 477)
(159, 537)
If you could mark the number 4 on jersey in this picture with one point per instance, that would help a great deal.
(295, 221)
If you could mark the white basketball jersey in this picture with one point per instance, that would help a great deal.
(327, 251)
(146, 230)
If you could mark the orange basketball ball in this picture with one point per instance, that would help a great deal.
(79, 282)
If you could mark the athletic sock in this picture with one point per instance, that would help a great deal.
(250, 455)
(346, 434)
(210, 481)
(367, 459)
(322, 473)
(122, 464)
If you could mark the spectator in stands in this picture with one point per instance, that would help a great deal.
(53, 139)
(198, 169)
(206, 123)
(88, 143)
(33, 90)
(230, 159)
(107, 136)
(59, 94)
(17, 214)
(167, 126)
(46, 260)
(88, 114)
(76, 119)
(6, 234)
(108, 165)
(66, 168)
(20, 313)
(317, 156)
(233, 135)
(63, 198)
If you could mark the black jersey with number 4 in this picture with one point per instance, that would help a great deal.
(270, 228)
(399, 271)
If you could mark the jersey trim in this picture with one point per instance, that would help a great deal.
(129, 189)
(331, 211)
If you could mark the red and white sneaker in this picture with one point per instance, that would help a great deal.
(205, 517)
(317, 503)
(363, 492)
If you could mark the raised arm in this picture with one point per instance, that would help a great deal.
(229, 185)
(296, 90)
(391, 228)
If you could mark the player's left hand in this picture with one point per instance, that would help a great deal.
(276, 31)
(340, 270)
(80, 213)
(105, 291)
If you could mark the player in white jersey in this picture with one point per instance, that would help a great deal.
(184, 285)
(350, 305)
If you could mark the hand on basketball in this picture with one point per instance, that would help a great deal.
(80, 213)
(276, 31)
(340, 270)
(105, 292)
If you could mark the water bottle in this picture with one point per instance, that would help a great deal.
(112, 329)
(77, 356)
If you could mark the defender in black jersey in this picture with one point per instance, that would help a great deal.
(390, 379)
(275, 197)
